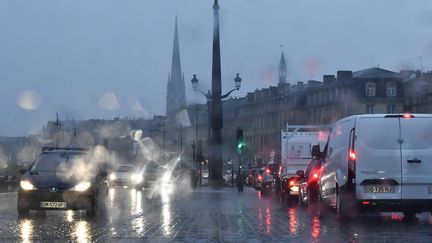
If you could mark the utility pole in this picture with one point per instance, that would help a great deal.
(163, 144)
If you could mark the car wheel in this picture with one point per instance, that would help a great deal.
(343, 209)
(91, 211)
(301, 203)
(409, 215)
(22, 210)
(320, 206)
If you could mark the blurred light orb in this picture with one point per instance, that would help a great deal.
(109, 102)
(29, 100)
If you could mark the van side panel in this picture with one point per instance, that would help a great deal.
(378, 155)
(335, 168)
(416, 134)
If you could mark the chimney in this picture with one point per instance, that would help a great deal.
(341, 75)
(329, 78)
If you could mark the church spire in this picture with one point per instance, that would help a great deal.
(282, 69)
(176, 67)
(176, 95)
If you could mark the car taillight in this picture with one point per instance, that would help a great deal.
(315, 175)
(291, 183)
(406, 115)
(268, 171)
(260, 177)
(352, 157)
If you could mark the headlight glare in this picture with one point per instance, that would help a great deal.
(112, 177)
(136, 178)
(83, 186)
(26, 185)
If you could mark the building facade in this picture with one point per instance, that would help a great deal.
(262, 114)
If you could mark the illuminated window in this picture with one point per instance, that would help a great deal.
(370, 89)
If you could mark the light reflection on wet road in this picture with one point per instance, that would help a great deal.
(214, 215)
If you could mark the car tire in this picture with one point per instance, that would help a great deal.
(343, 207)
(301, 203)
(409, 215)
(22, 210)
(320, 207)
(91, 211)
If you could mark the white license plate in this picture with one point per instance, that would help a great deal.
(53, 205)
(380, 189)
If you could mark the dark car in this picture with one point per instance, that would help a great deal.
(61, 179)
(309, 180)
(268, 179)
(258, 180)
(251, 176)
(308, 186)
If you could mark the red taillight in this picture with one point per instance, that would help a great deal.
(260, 177)
(406, 115)
(352, 155)
(291, 183)
(315, 175)
(365, 202)
(268, 171)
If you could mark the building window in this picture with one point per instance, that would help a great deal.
(391, 89)
(370, 89)
(391, 109)
(370, 109)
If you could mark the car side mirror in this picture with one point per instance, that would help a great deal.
(316, 152)
(23, 171)
(300, 173)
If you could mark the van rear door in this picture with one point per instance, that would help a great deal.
(378, 158)
(416, 134)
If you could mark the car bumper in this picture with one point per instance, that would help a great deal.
(74, 200)
(418, 205)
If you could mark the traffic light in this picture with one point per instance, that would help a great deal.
(240, 140)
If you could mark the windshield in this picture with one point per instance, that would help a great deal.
(125, 168)
(55, 162)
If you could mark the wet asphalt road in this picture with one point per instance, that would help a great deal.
(216, 215)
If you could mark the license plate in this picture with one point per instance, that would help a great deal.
(53, 205)
(380, 189)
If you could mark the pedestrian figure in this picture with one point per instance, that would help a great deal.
(239, 181)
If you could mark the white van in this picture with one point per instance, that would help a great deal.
(379, 163)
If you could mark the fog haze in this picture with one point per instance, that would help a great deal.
(71, 54)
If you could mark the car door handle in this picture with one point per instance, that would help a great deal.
(414, 161)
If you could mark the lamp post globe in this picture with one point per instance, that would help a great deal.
(237, 81)
(194, 81)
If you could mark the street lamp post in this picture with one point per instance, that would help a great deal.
(216, 123)
(214, 99)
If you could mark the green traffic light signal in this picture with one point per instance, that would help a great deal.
(240, 146)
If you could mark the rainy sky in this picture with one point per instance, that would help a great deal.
(106, 58)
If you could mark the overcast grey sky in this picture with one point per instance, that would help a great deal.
(70, 54)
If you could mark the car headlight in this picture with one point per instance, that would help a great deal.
(83, 186)
(26, 185)
(112, 177)
(136, 178)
